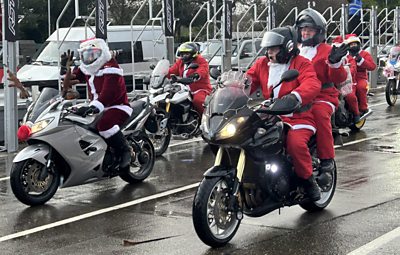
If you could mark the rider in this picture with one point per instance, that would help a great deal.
(281, 55)
(188, 53)
(394, 54)
(107, 92)
(327, 61)
(350, 98)
(365, 63)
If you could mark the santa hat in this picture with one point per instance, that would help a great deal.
(352, 38)
(337, 41)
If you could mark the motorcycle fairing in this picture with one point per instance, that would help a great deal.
(37, 152)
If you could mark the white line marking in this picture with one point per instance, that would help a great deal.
(5, 178)
(198, 139)
(98, 212)
(375, 244)
(373, 105)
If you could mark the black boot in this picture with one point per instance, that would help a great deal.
(327, 165)
(119, 143)
(312, 189)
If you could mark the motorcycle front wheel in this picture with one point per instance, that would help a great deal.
(327, 193)
(143, 158)
(27, 185)
(357, 126)
(390, 92)
(215, 225)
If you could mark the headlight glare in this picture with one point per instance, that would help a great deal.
(40, 125)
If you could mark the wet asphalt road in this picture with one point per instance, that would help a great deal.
(154, 217)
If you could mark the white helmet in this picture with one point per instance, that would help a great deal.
(94, 53)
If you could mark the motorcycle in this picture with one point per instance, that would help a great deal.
(343, 117)
(252, 174)
(173, 113)
(392, 73)
(66, 150)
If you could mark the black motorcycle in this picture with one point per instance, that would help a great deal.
(252, 173)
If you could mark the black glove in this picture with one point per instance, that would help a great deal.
(66, 61)
(357, 57)
(337, 53)
(86, 110)
(287, 103)
(195, 76)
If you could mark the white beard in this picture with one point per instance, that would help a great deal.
(308, 52)
(275, 72)
(96, 65)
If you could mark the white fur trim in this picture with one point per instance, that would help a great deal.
(301, 126)
(93, 88)
(308, 52)
(297, 96)
(336, 65)
(361, 61)
(275, 72)
(97, 104)
(326, 102)
(110, 70)
(109, 132)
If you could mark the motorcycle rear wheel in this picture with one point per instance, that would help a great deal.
(326, 197)
(142, 162)
(357, 126)
(26, 186)
(391, 97)
(214, 224)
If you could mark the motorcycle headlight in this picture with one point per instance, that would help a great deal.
(40, 125)
(230, 128)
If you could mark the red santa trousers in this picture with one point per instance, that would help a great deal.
(352, 102)
(296, 146)
(322, 115)
(110, 122)
(198, 100)
(362, 90)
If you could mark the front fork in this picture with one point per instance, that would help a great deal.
(234, 201)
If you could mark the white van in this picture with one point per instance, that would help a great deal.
(150, 47)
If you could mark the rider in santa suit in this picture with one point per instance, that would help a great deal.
(107, 92)
(327, 61)
(282, 55)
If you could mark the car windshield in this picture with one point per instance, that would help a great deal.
(49, 52)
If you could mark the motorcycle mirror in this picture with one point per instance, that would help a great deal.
(146, 80)
(289, 75)
(152, 66)
(193, 66)
(214, 73)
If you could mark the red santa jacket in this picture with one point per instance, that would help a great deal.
(367, 63)
(328, 74)
(203, 70)
(107, 87)
(306, 87)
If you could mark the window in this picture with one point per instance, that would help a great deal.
(126, 56)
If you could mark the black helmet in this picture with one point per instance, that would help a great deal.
(286, 38)
(188, 47)
(311, 18)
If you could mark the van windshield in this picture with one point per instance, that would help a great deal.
(49, 54)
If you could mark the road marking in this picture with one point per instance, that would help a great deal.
(198, 139)
(5, 178)
(378, 242)
(98, 212)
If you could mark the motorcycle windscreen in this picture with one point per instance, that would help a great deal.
(159, 73)
(42, 102)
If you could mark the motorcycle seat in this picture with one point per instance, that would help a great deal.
(137, 107)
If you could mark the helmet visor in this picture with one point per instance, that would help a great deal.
(271, 39)
(89, 55)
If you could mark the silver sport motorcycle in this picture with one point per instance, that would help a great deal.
(65, 150)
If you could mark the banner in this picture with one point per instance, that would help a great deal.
(11, 20)
(169, 17)
(228, 19)
(101, 19)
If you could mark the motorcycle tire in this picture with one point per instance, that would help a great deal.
(24, 181)
(326, 197)
(391, 97)
(143, 161)
(161, 142)
(214, 192)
